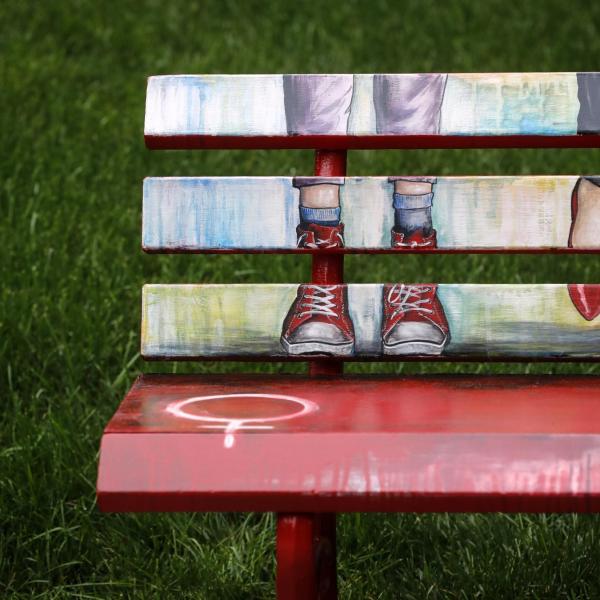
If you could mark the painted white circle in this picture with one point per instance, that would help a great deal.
(178, 409)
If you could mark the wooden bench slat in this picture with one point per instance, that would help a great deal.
(373, 111)
(469, 214)
(455, 321)
(284, 443)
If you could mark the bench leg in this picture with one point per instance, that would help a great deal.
(306, 557)
(326, 557)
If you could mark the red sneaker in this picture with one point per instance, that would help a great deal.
(318, 322)
(586, 299)
(320, 237)
(416, 240)
(414, 321)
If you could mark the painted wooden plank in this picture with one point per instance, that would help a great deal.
(371, 321)
(283, 443)
(455, 214)
(373, 111)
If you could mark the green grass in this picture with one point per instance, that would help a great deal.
(72, 86)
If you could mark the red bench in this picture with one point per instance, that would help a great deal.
(307, 447)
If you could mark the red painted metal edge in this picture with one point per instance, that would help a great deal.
(454, 358)
(369, 142)
(357, 472)
(336, 251)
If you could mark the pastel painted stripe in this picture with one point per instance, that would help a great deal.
(487, 104)
(468, 213)
(484, 321)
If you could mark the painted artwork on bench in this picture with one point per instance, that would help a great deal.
(461, 321)
(426, 104)
(386, 214)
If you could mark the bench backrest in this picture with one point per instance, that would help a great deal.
(462, 214)
(432, 110)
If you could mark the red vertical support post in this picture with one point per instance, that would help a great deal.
(328, 268)
(306, 543)
(296, 564)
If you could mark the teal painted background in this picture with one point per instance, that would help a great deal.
(262, 212)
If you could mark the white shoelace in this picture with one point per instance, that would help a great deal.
(320, 243)
(320, 302)
(413, 244)
(399, 295)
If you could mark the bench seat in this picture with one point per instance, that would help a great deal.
(292, 444)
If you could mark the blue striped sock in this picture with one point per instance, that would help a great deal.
(329, 217)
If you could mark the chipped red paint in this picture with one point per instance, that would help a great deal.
(508, 443)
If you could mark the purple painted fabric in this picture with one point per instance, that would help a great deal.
(408, 104)
(588, 93)
(317, 104)
(404, 104)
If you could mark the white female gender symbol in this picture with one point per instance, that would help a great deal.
(231, 425)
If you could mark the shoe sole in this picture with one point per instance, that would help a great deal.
(420, 347)
(346, 349)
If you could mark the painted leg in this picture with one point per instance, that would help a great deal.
(408, 104)
(588, 93)
(317, 104)
(306, 557)
(585, 219)
(318, 321)
(585, 214)
(320, 227)
(413, 226)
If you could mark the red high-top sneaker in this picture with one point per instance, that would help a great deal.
(415, 241)
(320, 237)
(414, 321)
(586, 299)
(319, 322)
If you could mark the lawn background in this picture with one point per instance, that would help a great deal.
(72, 87)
